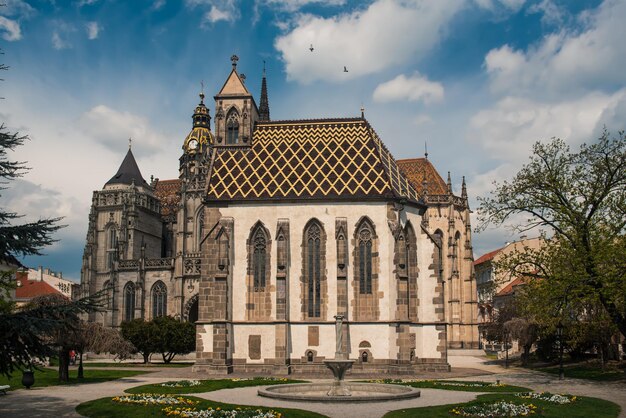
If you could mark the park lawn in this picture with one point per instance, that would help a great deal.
(476, 386)
(137, 364)
(106, 407)
(587, 371)
(583, 407)
(50, 377)
(210, 385)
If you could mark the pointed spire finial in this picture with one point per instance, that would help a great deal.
(263, 68)
(464, 189)
(449, 183)
(234, 60)
(362, 111)
(264, 105)
(130, 143)
(202, 92)
(426, 149)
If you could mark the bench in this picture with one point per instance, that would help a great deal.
(4, 388)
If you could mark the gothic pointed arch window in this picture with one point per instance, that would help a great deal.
(129, 301)
(313, 265)
(232, 127)
(159, 299)
(364, 243)
(259, 257)
(111, 246)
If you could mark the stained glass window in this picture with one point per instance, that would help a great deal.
(365, 258)
(232, 128)
(159, 299)
(129, 302)
(259, 259)
(313, 262)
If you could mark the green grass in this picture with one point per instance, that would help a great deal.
(50, 377)
(587, 371)
(137, 364)
(105, 408)
(209, 386)
(582, 408)
(449, 385)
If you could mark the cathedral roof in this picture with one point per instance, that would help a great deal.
(420, 170)
(128, 172)
(168, 193)
(319, 159)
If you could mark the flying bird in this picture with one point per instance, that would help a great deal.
(345, 70)
(311, 48)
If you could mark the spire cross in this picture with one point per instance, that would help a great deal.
(263, 68)
(202, 92)
(234, 60)
(426, 149)
(130, 143)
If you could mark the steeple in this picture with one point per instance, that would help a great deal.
(449, 184)
(128, 173)
(464, 190)
(200, 136)
(264, 107)
(201, 116)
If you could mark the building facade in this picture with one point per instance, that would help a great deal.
(272, 229)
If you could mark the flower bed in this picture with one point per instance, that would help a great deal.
(219, 413)
(153, 399)
(495, 410)
(181, 384)
(440, 383)
(548, 397)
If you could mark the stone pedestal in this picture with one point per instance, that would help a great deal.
(339, 368)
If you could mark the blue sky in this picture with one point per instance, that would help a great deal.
(479, 80)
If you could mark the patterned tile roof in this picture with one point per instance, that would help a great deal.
(321, 159)
(418, 170)
(168, 193)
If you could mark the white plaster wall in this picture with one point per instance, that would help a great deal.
(205, 333)
(268, 341)
(426, 341)
(377, 335)
(299, 340)
(246, 216)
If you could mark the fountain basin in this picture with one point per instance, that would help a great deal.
(360, 392)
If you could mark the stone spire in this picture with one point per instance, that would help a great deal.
(449, 183)
(264, 106)
(128, 173)
(464, 190)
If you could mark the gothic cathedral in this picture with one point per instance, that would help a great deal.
(272, 229)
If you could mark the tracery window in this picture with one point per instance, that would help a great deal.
(313, 236)
(129, 301)
(259, 258)
(232, 127)
(159, 299)
(364, 237)
(111, 247)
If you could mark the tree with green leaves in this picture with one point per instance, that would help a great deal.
(173, 337)
(579, 200)
(141, 334)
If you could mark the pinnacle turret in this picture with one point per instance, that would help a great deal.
(264, 107)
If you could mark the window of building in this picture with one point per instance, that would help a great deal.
(364, 236)
(111, 247)
(439, 264)
(129, 301)
(159, 299)
(259, 258)
(313, 269)
(232, 127)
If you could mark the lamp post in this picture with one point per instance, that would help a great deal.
(559, 333)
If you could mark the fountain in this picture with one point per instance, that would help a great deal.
(339, 390)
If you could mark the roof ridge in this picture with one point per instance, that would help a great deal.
(314, 120)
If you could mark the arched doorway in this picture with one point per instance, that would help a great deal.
(191, 309)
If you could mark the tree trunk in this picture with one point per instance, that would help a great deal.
(64, 364)
(146, 357)
(80, 365)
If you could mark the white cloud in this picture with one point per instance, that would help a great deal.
(570, 62)
(110, 127)
(10, 29)
(413, 88)
(512, 5)
(509, 128)
(93, 30)
(82, 3)
(385, 34)
(422, 119)
(17, 8)
(218, 10)
(60, 35)
(158, 4)
(551, 13)
(293, 5)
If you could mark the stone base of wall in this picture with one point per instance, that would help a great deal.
(463, 345)
(378, 367)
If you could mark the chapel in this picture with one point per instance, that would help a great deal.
(276, 227)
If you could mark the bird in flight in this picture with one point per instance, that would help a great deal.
(311, 48)
(345, 70)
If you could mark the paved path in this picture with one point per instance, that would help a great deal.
(60, 401)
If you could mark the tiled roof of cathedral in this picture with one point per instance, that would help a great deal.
(128, 172)
(320, 159)
(168, 193)
(418, 170)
